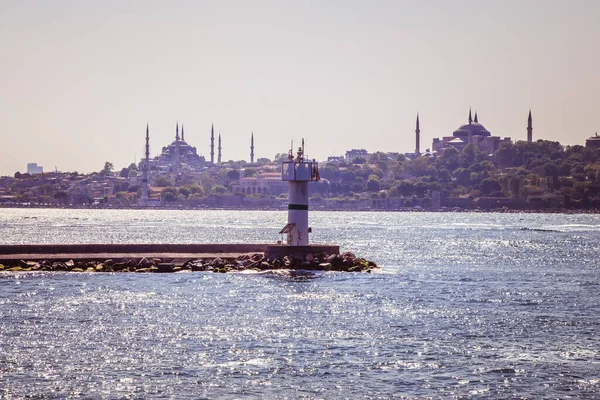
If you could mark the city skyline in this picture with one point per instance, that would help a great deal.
(81, 79)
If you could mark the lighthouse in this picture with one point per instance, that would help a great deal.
(298, 172)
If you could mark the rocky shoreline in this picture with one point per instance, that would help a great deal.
(345, 262)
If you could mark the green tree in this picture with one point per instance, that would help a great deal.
(184, 191)
(219, 190)
(330, 172)
(490, 186)
(406, 188)
(207, 183)
(263, 161)
(373, 184)
(347, 176)
(450, 158)
(163, 181)
(233, 175)
(197, 189)
(61, 196)
(421, 189)
(169, 193)
(515, 184)
(108, 167)
(507, 155)
(377, 156)
(280, 157)
(417, 167)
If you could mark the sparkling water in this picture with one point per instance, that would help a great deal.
(466, 305)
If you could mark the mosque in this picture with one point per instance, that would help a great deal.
(472, 132)
(178, 154)
(593, 142)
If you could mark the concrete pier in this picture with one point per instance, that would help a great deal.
(36, 252)
(105, 251)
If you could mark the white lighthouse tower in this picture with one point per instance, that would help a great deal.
(298, 172)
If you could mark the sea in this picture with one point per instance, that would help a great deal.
(465, 305)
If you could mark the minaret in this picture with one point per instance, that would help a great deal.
(252, 148)
(219, 155)
(146, 167)
(529, 128)
(417, 139)
(177, 152)
(470, 119)
(212, 144)
(475, 120)
(182, 137)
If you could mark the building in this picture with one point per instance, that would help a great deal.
(264, 183)
(593, 142)
(354, 153)
(335, 159)
(34, 169)
(178, 154)
(471, 132)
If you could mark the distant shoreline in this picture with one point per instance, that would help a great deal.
(349, 209)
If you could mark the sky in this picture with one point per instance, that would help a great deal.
(79, 80)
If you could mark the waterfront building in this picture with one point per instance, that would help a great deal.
(471, 132)
(268, 183)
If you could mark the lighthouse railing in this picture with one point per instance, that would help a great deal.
(300, 171)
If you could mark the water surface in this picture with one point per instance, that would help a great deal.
(467, 306)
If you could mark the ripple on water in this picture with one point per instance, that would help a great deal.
(466, 305)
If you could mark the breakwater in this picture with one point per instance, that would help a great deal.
(161, 258)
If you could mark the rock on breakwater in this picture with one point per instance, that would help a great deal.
(246, 262)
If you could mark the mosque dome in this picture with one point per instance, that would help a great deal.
(472, 128)
(179, 142)
(593, 141)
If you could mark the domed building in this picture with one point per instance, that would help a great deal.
(473, 128)
(178, 154)
(471, 132)
(593, 142)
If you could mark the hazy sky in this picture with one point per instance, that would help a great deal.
(80, 79)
